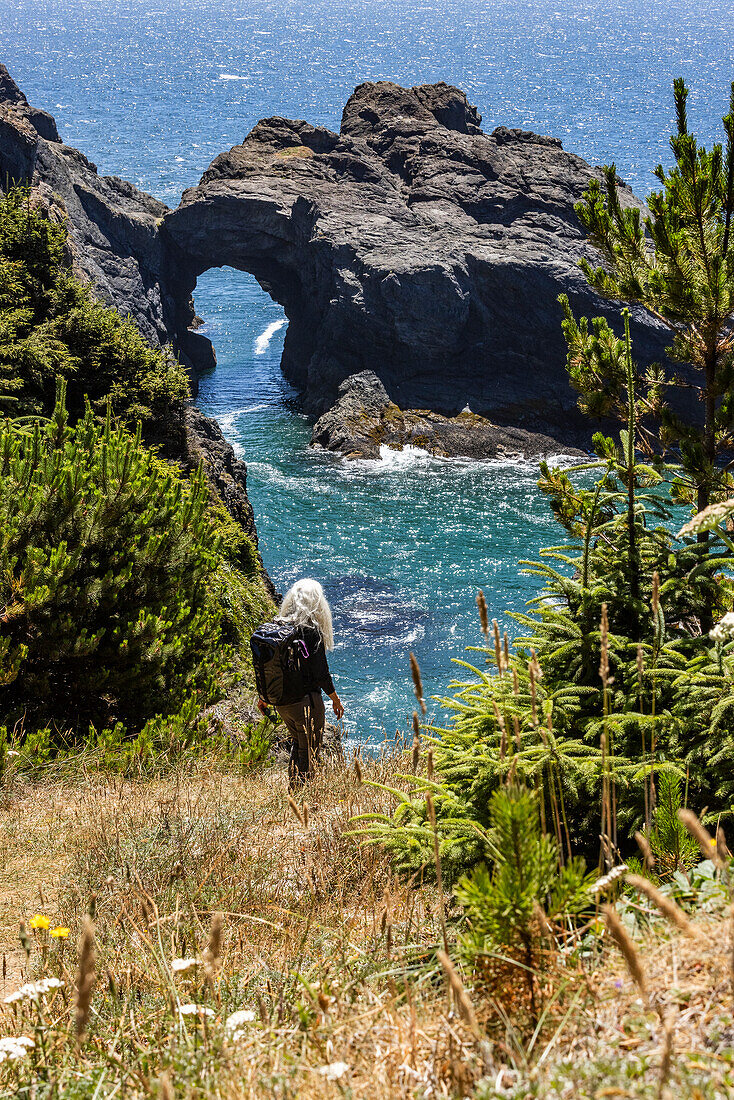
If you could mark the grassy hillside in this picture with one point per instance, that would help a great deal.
(329, 958)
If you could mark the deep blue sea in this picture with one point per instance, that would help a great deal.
(152, 90)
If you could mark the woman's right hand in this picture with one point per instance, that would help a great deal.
(337, 705)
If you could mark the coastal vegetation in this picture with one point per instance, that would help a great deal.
(127, 590)
(532, 901)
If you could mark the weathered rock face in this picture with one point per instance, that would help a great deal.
(410, 244)
(116, 246)
(413, 245)
(113, 227)
(364, 419)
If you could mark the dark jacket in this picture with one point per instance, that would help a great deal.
(315, 666)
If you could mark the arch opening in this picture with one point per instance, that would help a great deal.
(247, 328)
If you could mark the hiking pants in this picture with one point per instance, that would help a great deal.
(304, 721)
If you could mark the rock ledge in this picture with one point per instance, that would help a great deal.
(364, 419)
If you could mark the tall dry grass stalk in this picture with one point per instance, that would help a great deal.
(629, 952)
(667, 906)
(483, 613)
(706, 842)
(534, 673)
(502, 728)
(439, 877)
(417, 681)
(85, 978)
(666, 1061)
(466, 1009)
(609, 789)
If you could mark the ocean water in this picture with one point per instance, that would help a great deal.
(152, 90)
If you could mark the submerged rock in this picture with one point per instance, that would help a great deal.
(364, 419)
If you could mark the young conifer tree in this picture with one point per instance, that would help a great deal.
(105, 562)
(679, 264)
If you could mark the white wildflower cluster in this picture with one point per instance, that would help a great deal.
(606, 881)
(334, 1071)
(14, 1047)
(180, 966)
(724, 629)
(195, 1010)
(233, 1025)
(31, 991)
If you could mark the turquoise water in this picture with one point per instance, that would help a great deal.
(152, 90)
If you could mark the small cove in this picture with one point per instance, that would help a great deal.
(401, 544)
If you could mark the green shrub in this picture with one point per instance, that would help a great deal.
(51, 326)
(106, 558)
(515, 910)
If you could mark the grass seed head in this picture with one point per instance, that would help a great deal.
(417, 681)
(706, 842)
(294, 810)
(483, 613)
(497, 647)
(722, 848)
(622, 938)
(604, 664)
(655, 593)
(213, 952)
(464, 1005)
(85, 978)
(644, 846)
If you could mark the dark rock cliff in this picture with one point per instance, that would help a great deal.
(413, 245)
(116, 245)
(410, 244)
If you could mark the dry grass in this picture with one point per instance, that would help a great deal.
(333, 956)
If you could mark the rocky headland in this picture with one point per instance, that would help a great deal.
(414, 245)
(410, 244)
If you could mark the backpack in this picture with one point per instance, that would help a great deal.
(278, 655)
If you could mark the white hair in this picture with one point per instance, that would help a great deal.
(305, 605)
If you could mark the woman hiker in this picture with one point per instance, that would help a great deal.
(306, 608)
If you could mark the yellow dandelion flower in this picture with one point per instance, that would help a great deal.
(59, 933)
(39, 921)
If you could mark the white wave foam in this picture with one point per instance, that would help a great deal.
(416, 458)
(261, 344)
(228, 420)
